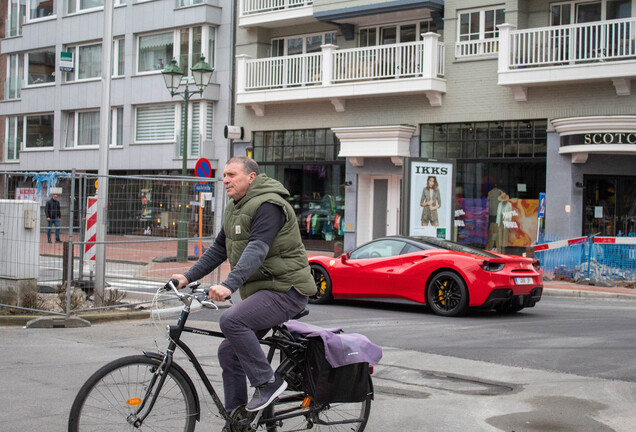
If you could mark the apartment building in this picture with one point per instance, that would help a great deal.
(50, 117)
(353, 105)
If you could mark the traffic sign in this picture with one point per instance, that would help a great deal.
(203, 168)
(203, 187)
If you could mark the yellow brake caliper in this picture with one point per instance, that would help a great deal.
(323, 284)
(440, 293)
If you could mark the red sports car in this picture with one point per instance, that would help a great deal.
(446, 276)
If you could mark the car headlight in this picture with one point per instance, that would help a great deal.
(489, 266)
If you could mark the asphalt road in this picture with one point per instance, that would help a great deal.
(539, 370)
(584, 336)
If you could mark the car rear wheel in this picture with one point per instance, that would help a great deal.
(323, 284)
(447, 294)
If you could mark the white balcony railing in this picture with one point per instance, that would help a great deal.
(572, 44)
(249, 7)
(408, 60)
(476, 48)
(281, 72)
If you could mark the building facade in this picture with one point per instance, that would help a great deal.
(521, 98)
(50, 111)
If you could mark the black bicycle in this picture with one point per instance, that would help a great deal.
(152, 392)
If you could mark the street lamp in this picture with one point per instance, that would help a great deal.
(172, 75)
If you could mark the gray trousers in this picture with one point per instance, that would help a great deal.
(240, 354)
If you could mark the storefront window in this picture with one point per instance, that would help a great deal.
(501, 170)
(610, 205)
(306, 163)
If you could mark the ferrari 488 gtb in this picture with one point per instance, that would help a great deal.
(446, 276)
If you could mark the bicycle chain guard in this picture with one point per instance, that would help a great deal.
(241, 420)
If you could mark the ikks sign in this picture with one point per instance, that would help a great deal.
(599, 138)
(429, 197)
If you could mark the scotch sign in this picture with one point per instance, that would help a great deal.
(600, 138)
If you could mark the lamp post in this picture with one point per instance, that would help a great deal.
(172, 75)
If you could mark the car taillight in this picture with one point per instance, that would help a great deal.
(537, 265)
(488, 266)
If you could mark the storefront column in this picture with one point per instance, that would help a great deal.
(564, 201)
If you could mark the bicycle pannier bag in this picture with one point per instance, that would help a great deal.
(326, 384)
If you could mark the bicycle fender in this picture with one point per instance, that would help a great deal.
(179, 369)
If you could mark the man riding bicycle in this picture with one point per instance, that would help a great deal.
(261, 239)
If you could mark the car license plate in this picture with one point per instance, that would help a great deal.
(523, 281)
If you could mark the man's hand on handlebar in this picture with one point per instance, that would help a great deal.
(219, 293)
(182, 280)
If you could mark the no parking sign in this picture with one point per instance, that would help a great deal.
(203, 168)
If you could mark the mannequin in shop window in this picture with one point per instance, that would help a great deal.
(430, 202)
(493, 203)
(504, 220)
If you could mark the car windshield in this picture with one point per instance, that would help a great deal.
(378, 249)
(445, 244)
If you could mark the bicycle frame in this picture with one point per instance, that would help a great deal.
(281, 340)
(284, 345)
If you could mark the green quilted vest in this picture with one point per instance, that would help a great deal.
(286, 262)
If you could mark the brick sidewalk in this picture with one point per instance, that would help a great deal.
(143, 250)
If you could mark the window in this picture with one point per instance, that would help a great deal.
(14, 138)
(155, 124)
(74, 6)
(503, 139)
(88, 62)
(301, 44)
(378, 249)
(480, 24)
(116, 127)
(41, 8)
(155, 51)
(39, 131)
(14, 76)
(82, 129)
(41, 67)
(574, 12)
(200, 120)
(15, 19)
(184, 3)
(399, 33)
(119, 54)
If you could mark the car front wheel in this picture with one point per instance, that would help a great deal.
(323, 285)
(447, 295)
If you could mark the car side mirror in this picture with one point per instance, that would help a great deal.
(344, 257)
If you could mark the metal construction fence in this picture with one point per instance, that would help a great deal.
(608, 259)
(141, 243)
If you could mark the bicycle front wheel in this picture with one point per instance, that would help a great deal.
(117, 390)
(335, 417)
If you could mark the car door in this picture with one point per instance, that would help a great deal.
(369, 270)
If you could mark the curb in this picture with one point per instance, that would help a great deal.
(22, 320)
(91, 317)
(564, 292)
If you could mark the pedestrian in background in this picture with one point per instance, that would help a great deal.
(53, 214)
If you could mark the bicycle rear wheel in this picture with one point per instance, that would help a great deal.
(116, 391)
(335, 417)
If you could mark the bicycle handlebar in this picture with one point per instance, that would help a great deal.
(172, 285)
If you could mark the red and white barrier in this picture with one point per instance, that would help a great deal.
(580, 240)
(90, 235)
(615, 240)
(560, 243)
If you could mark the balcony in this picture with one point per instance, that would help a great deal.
(338, 75)
(598, 51)
(275, 13)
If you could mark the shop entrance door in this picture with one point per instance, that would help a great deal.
(609, 205)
